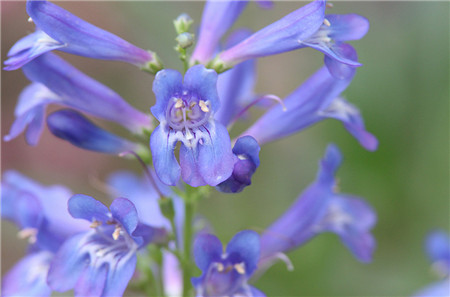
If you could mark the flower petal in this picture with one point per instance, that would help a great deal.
(119, 276)
(217, 18)
(85, 207)
(329, 165)
(162, 145)
(441, 288)
(83, 39)
(215, 158)
(438, 248)
(245, 247)
(75, 128)
(202, 82)
(207, 249)
(28, 277)
(346, 27)
(189, 168)
(124, 211)
(91, 281)
(67, 265)
(350, 116)
(167, 83)
(79, 91)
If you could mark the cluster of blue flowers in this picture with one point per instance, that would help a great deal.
(148, 238)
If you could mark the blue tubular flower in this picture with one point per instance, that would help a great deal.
(56, 81)
(101, 262)
(320, 209)
(305, 27)
(246, 150)
(226, 273)
(218, 17)
(236, 85)
(438, 250)
(185, 111)
(315, 100)
(59, 29)
(72, 126)
(31, 207)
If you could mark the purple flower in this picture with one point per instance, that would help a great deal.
(438, 250)
(186, 111)
(31, 207)
(101, 261)
(56, 81)
(319, 209)
(246, 150)
(315, 100)
(225, 273)
(218, 17)
(75, 128)
(61, 30)
(305, 27)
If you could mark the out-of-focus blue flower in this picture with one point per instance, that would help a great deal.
(315, 100)
(225, 273)
(185, 111)
(218, 17)
(57, 82)
(59, 29)
(39, 212)
(70, 125)
(101, 261)
(438, 250)
(306, 27)
(319, 209)
(246, 150)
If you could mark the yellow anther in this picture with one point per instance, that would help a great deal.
(193, 103)
(28, 233)
(95, 224)
(203, 106)
(326, 22)
(179, 103)
(116, 232)
(220, 267)
(240, 268)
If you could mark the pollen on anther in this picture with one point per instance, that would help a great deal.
(203, 106)
(30, 20)
(116, 233)
(326, 22)
(240, 268)
(95, 224)
(220, 267)
(179, 103)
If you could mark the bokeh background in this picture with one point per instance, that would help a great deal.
(402, 91)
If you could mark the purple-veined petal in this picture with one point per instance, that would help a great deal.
(346, 27)
(84, 39)
(30, 47)
(67, 265)
(350, 116)
(79, 91)
(162, 145)
(189, 168)
(87, 208)
(218, 17)
(119, 276)
(202, 82)
(283, 35)
(167, 83)
(215, 157)
(91, 281)
(245, 247)
(302, 107)
(78, 130)
(28, 277)
(337, 69)
(207, 249)
(124, 211)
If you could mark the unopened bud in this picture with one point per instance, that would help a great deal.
(185, 40)
(182, 23)
(166, 207)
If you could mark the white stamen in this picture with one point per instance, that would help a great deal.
(220, 267)
(179, 103)
(203, 106)
(116, 232)
(28, 233)
(95, 224)
(240, 268)
(326, 22)
(30, 20)
(242, 157)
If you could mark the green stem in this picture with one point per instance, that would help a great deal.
(188, 230)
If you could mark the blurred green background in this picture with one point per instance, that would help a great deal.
(402, 91)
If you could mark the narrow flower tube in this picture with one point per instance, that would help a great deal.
(79, 91)
(319, 209)
(218, 17)
(61, 30)
(315, 100)
(70, 125)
